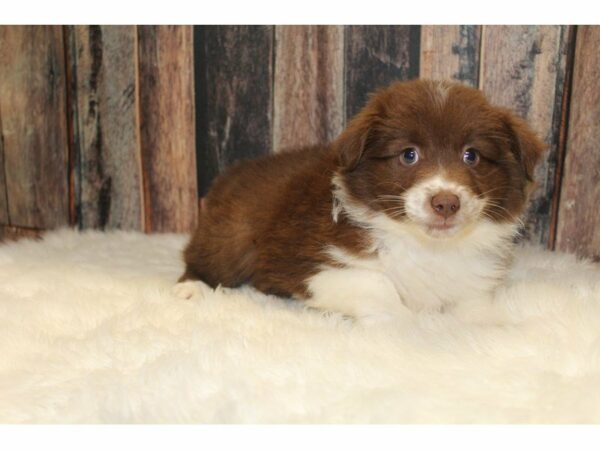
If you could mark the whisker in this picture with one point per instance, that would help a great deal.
(394, 210)
(399, 197)
(497, 188)
(392, 184)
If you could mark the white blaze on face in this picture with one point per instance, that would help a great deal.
(417, 203)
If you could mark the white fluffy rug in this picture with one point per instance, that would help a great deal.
(89, 332)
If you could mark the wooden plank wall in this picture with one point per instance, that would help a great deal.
(523, 68)
(308, 103)
(129, 104)
(34, 128)
(105, 107)
(167, 140)
(451, 53)
(578, 215)
(376, 56)
(3, 193)
(97, 128)
(234, 85)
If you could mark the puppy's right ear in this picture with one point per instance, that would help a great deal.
(525, 144)
(351, 144)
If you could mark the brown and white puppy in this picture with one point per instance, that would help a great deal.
(415, 205)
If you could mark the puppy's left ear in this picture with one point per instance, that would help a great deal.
(525, 144)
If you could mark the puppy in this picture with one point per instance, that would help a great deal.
(415, 206)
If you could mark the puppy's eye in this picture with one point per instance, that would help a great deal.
(409, 156)
(470, 156)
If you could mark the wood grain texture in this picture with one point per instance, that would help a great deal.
(32, 105)
(579, 216)
(234, 89)
(107, 145)
(167, 131)
(309, 84)
(450, 52)
(523, 68)
(4, 219)
(9, 233)
(375, 56)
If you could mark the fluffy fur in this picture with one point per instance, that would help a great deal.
(356, 216)
(89, 332)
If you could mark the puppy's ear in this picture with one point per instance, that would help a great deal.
(525, 144)
(350, 146)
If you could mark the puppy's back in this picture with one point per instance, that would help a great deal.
(250, 212)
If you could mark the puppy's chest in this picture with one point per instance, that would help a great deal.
(429, 278)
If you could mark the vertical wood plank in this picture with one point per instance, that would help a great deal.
(374, 57)
(4, 219)
(32, 105)
(579, 217)
(74, 168)
(523, 68)
(167, 132)
(450, 52)
(107, 147)
(308, 86)
(234, 85)
(563, 128)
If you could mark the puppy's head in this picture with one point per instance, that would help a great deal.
(437, 155)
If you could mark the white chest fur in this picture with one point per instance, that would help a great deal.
(429, 273)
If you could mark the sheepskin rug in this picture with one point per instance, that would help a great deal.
(90, 332)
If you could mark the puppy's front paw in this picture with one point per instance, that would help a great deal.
(189, 289)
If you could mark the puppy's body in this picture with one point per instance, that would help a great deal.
(264, 223)
(392, 214)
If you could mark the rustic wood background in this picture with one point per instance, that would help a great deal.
(125, 126)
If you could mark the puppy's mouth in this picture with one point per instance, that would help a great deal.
(442, 228)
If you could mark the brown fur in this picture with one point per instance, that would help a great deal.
(266, 222)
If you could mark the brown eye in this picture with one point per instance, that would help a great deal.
(470, 156)
(409, 156)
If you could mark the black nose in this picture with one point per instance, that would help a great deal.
(445, 204)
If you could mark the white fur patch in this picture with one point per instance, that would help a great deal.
(360, 293)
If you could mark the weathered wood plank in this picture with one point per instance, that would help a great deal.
(9, 233)
(32, 101)
(107, 145)
(166, 84)
(309, 84)
(74, 171)
(450, 52)
(579, 216)
(234, 87)
(3, 194)
(375, 56)
(563, 128)
(523, 68)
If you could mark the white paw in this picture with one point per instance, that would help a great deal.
(191, 290)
